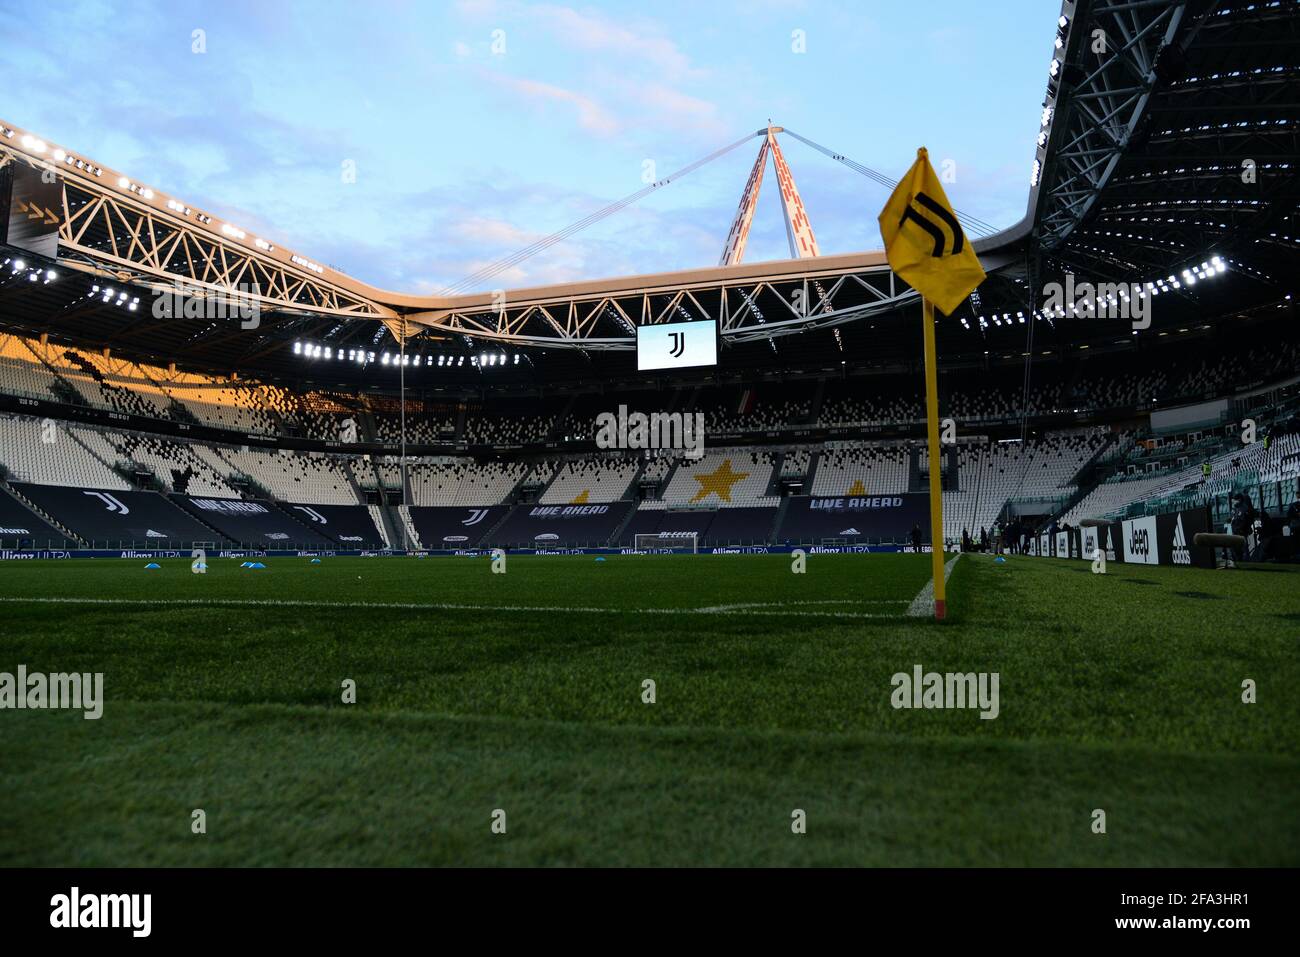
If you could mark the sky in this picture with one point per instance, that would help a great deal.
(410, 144)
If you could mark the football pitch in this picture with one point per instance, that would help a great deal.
(527, 693)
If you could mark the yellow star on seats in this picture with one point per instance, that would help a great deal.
(582, 497)
(718, 482)
(857, 488)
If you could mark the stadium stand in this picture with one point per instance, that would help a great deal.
(293, 476)
(466, 482)
(119, 518)
(46, 452)
(724, 478)
(729, 496)
(862, 471)
(453, 526)
(20, 527)
(252, 524)
(590, 480)
(547, 526)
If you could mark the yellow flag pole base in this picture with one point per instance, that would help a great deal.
(936, 468)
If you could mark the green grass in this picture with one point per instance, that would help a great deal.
(1120, 692)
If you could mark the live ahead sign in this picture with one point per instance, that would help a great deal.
(677, 345)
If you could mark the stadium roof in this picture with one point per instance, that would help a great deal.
(1167, 151)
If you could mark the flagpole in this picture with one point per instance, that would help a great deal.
(936, 470)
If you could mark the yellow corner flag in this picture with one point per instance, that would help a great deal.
(925, 245)
(924, 242)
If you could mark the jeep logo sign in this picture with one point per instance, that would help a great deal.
(1140, 541)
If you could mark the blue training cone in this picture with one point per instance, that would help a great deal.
(152, 565)
(601, 559)
(315, 561)
(1000, 560)
(256, 565)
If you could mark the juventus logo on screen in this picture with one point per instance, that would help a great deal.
(678, 344)
(937, 234)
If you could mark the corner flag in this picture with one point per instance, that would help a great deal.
(924, 242)
(926, 247)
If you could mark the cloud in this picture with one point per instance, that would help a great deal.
(678, 110)
(592, 116)
(629, 47)
(632, 75)
(486, 229)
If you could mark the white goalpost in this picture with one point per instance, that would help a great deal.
(665, 542)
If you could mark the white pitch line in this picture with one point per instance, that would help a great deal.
(445, 606)
(790, 604)
(923, 604)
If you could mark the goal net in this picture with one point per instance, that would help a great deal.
(684, 542)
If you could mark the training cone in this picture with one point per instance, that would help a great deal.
(256, 565)
(315, 561)
(152, 565)
(1000, 560)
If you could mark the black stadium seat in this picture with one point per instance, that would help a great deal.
(119, 518)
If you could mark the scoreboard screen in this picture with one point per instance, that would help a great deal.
(677, 345)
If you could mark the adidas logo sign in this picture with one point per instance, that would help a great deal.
(1182, 554)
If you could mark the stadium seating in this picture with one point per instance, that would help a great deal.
(253, 523)
(348, 526)
(46, 452)
(293, 476)
(466, 482)
(723, 478)
(591, 480)
(869, 471)
(20, 527)
(550, 526)
(729, 496)
(452, 526)
(119, 519)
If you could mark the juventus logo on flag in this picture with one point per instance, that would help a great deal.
(947, 218)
